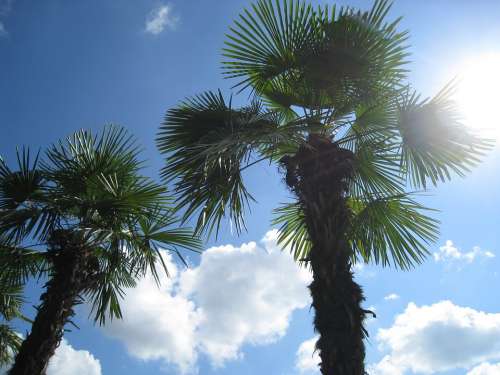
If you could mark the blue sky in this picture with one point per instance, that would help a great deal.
(244, 310)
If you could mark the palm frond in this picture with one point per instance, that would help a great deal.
(10, 342)
(435, 142)
(106, 297)
(376, 168)
(33, 221)
(129, 252)
(96, 181)
(391, 229)
(11, 300)
(21, 192)
(158, 226)
(113, 152)
(371, 134)
(19, 263)
(17, 187)
(263, 42)
(292, 230)
(297, 56)
(208, 144)
(116, 273)
(110, 200)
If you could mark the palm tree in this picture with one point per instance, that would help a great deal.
(332, 108)
(91, 223)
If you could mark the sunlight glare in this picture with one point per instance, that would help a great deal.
(479, 95)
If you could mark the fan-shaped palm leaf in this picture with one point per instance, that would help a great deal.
(385, 230)
(208, 144)
(435, 142)
(295, 56)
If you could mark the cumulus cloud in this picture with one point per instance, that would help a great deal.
(158, 322)
(236, 296)
(306, 358)
(387, 366)
(485, 368)
(439, 337)
(370, 318)
(363, 271)
(449, 252)
(69, 361)
(3, 32)
(391, 297)
(161, 18)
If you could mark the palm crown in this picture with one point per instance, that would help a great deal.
(85, 200)
(339, 74)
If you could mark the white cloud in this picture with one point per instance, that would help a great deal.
(160, 18)
(386, 367)
(363, 271)
(306, 358)
(485, 368)
(236, 296)
(3, 32)
(358, 267)
(370, 318)
(158, 323)
(391, 297)
(439, 337)
(449, 252)
(69, 361)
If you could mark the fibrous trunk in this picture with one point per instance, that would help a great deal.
(70, 276)
(319, 174)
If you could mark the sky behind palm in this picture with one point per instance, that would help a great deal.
(245, 309)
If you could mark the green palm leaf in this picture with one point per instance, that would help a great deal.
(390, 229)
(19, 264)
(10, 342)
(435, 142)
(16, 187)
(11, 300)
(208, 144)
(292, 230)
(295, 56)
(263, 40)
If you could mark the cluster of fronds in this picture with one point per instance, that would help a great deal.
(337, 72)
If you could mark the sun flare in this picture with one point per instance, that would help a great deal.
(479, 94)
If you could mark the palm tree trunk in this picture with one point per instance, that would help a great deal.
(70, 277)
(339, 316)
(319, 175)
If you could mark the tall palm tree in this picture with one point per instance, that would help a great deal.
(88, 220)
(332, 108)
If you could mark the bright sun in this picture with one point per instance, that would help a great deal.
(479, 94)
